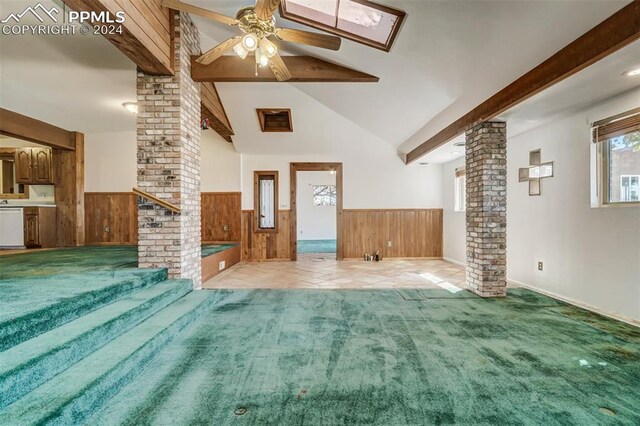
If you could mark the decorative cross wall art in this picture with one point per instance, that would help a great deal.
(535, 172)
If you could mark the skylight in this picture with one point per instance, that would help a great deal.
(359, 20)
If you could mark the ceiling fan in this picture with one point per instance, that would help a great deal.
(257, 24)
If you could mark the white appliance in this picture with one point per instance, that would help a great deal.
(11, 227)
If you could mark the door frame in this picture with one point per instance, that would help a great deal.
(293, 213)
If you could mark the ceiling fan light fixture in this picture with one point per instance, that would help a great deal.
(250, 42)
(268, 48)
(261, 58)
(240, 50)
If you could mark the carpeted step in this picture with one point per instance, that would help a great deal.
(29, 364)
(58, 299)
(73, 395)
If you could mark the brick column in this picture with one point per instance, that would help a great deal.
(169, 162)
(486, 171)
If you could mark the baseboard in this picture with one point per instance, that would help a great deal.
(597, 310)
(455, 262)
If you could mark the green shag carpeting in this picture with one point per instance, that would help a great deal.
(77, 260)
(316, 246)
(373, 357)
(209, 249)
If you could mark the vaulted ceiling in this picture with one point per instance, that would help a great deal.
(448, 57)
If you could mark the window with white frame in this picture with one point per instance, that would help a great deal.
(618, 150)
(461, 190)
(324, 195)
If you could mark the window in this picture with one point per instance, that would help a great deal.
(324, 195)
(629, 188)
(461, 190)
(362, 21)
(265, 199)
(618, 150)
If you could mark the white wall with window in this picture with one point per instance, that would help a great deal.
(616, 160)
(316, 206)
(454, 222)
(591, 255)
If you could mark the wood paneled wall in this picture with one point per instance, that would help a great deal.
(118, 211)
(220, 209)
(413, 233)
(68, 176)
(265, 245)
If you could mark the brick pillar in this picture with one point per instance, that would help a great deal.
(486, 171)
(169, 162)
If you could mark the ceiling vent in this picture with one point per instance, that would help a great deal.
(275, 120)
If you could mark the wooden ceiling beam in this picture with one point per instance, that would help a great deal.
(146, 36)
(26, 128)
(304, 69)
(213, 110)
(612, 34)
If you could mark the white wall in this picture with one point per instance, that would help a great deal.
(374, 177)
(314, 222)
(110, 161)
(590, 255)
(220, 164)
(454, 225)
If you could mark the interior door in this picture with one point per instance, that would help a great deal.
(23, 165)
(41, 161)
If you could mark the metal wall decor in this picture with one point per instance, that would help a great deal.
(536, 171)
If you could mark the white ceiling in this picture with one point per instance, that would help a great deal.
(448, 57)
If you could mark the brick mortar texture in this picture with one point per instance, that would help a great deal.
(168, 139)
(486, 178)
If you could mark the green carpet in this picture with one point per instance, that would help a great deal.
(209, 249)
(316, 246)
(372, 357)
(77, 260)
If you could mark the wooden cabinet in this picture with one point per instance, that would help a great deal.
(39, 227)
(23, 165)
(34, 166)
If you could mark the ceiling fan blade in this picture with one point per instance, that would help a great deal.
(265, 8)
(309, 38)
(213, 54)
(189, 8)
(279, 69)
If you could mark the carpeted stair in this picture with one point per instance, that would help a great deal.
(60, 371)
(30, 307)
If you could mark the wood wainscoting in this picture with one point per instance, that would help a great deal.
(414, 233)
(220, 211)
(111, 218)
(266, 245)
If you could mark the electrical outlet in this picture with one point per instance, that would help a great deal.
(389, 243)
(107, 228)
(225, 228)
(221, 265)
(540, 266)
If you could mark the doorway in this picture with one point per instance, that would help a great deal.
(325, 195)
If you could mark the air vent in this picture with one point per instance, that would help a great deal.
(275, 120)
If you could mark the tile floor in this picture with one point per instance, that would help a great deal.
(323, 271)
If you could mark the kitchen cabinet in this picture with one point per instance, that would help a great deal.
(39, 227)
(34, 166)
